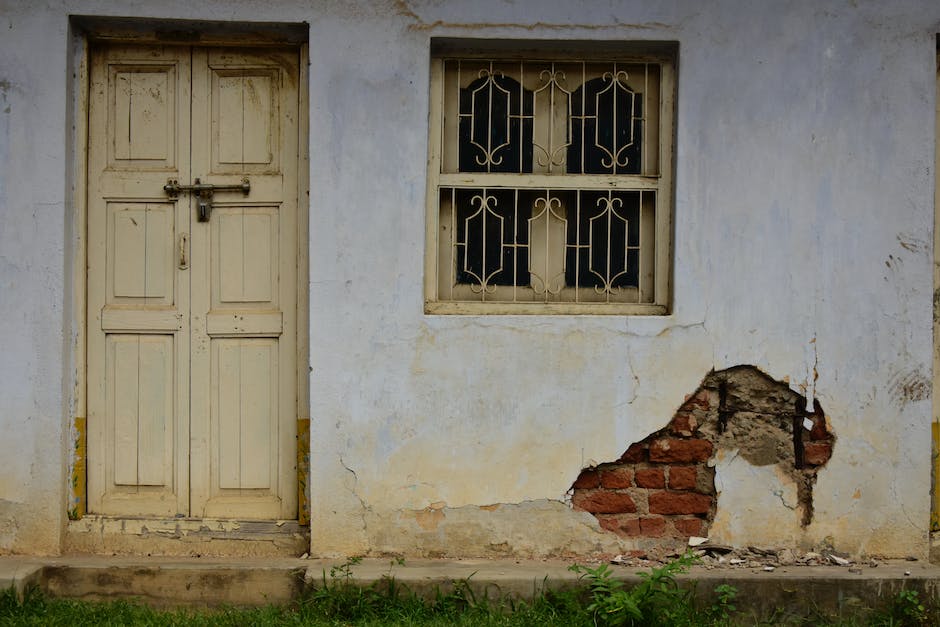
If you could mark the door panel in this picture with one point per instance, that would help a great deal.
(138, 299)
(244, 315)
(141, 235)
(141, 404)
(192, 325)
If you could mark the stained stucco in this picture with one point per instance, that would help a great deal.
(802, 228)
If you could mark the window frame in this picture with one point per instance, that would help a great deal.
(664, 54)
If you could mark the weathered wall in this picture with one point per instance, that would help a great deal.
(33, 291)
(804, 208)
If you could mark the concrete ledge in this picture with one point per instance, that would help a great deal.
(18, 573)
(171, 582)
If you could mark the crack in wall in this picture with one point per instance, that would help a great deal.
(403, 9)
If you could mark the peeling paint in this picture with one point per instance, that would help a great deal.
(303, 471)
(77, 484)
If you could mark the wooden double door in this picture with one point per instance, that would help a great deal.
(191, 295)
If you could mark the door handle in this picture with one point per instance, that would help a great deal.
(204, 193)
(184, 251)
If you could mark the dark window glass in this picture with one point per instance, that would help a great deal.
(492, 238)
(606, 127)
(495, 129)
(603, 247)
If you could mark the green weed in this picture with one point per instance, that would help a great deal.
(657, 600)
(603, 600)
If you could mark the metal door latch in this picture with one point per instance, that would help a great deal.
(204, 192)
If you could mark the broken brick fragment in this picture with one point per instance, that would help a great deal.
(634, 455)
(684, 424)
(650, 478)
(670, 450)
(617, 478)
(819, 430)
(610, 523)
(683, 477)
(699, 400)
(679, 503)
(603, 502)
(817, 453)
(588, 479)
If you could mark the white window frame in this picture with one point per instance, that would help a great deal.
(662, 54)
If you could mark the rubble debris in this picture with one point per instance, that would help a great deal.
(759, 559)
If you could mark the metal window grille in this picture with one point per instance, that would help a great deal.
(549, 185)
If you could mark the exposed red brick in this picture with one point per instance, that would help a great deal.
(652, 527)
(622, 525)
(617, 478)
(682, 477)
(817, 453)
(633, 455)
(684, 424)
(604, 502)
(671, 450)
(589, 478)
(679, 503)
(649, 478)
(698, 400)
(610, 523)
(629, 527)
(819, 430)
(688, 526)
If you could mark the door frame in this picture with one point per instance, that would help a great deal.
(84, 30)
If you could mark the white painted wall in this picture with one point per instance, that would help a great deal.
(803, 221)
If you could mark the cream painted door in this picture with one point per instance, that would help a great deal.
(192, 325)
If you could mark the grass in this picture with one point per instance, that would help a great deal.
(601, 601)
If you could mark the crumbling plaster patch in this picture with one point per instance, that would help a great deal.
(763, 450)
(533, 529)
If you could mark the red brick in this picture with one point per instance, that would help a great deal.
(817, 453)
(682, 477)
(698, 400)
(649, 478)
(587, 479)
(652, 527)
(617, 478)
(679, 503)
(610, 523)
(629, 527)
(620, 524)
(633, 455)
(684, 424)
(688, 526)
(681, 451)
(819, 430)
(604, 502)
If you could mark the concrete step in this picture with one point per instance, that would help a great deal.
(175, 582)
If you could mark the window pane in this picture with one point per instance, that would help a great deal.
(495, 129)
(604, 245)
(606, 127)
(491, 245)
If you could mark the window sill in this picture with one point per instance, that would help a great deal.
(537, 309)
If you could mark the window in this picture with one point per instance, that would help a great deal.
(549, 180)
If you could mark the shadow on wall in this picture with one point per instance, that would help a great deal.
(664, 486)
